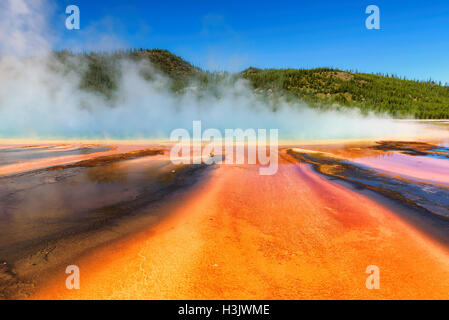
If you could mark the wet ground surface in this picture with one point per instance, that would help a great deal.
(243, 236)
(41, 207)
(432, 198)
(21, 154)
(298, 234)
(413, 148)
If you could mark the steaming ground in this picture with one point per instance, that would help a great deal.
(41, 98)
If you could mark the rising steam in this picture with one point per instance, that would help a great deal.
(39, 98)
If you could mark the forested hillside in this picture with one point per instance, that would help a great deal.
(322, 87)
(102, 70)
(369, 92)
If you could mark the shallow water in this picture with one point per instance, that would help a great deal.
(378, 173)
(48, 204)
(426, 168)
(14, 155)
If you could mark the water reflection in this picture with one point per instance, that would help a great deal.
(13, 155)
(48, 204)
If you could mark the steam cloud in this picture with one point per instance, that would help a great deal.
(40, 99)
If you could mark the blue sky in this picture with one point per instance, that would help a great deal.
(232, 35)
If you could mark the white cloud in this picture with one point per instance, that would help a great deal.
(23, 27)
